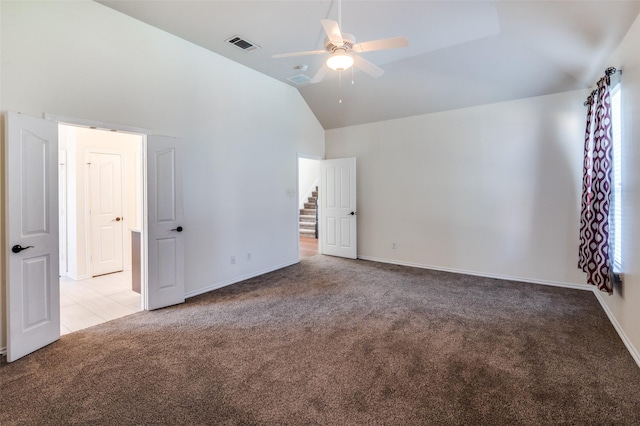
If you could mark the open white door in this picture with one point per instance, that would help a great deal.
(165, 237)
(338, 220)
(33, 292)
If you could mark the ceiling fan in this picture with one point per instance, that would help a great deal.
(342, 49)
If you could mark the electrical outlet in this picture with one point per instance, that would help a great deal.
(248, 256)
(394, 245)
(233, 260)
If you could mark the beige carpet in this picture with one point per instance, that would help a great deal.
(334, 341)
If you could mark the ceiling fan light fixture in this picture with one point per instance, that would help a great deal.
(340, 61)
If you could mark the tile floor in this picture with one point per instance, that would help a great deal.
(93, 301)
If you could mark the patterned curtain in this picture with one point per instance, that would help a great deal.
(595, 250)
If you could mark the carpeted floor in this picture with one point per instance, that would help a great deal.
(343, 342)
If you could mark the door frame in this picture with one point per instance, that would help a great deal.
(139, 131)
(62, 211)
(87, 208)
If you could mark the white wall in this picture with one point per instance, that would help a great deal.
(79, 142)
(242, 131)
(491, 190)
(624, 304)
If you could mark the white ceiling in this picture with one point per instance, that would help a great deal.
(460, 54)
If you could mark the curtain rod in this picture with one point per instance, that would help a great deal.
(608, 73)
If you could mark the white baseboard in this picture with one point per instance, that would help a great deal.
(78, 277)
(632, 350)
(3, 351)
(238, 279)
(482, 274)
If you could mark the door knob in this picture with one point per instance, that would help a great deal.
(179, 229)
(18, 248)
(352, 213)
(118, 219)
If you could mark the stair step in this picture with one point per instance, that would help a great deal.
(310, 206)
(307, 225)
(305, 235)
(308, 221)
(311, 212)
(312, 199)
(314, 194)
(307, 231)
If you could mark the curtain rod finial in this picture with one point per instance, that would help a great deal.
(610, 71)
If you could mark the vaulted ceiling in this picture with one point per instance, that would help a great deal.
(460, 53)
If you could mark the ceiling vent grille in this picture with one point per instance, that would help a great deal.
(299, 79)
(243, 44)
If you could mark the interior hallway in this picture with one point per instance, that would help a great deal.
(308, 247)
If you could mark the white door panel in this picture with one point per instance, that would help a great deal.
(165, 239)
(33, 297)
(338, 220)
(107, 224)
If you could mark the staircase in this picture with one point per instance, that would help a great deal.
(308, 217)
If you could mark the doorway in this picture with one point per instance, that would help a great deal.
(101, 206)
(308, 187)
(33, 273)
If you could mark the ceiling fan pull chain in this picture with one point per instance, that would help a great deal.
(339, 86)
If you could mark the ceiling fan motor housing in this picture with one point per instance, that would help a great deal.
(348, 41)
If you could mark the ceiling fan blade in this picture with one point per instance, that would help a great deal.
(382, 44)
(333, 31)
(320, 74)
(368, 67)
(308, 52)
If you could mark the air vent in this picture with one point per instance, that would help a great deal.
(299, 79)
(243, 44)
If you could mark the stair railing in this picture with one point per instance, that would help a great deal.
(316, 218)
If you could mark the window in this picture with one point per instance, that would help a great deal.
(616, 210)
